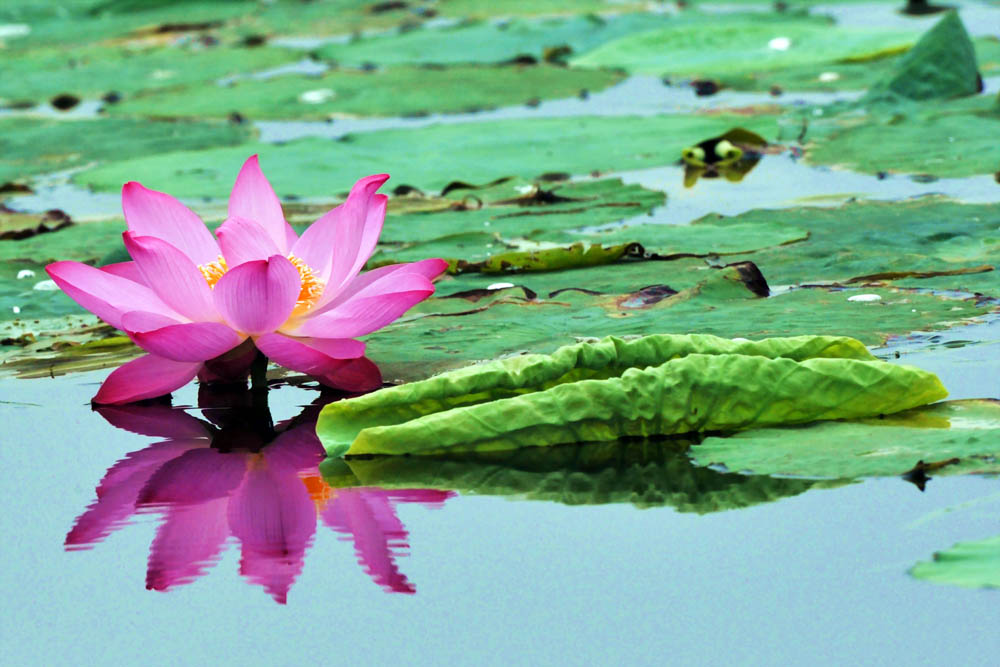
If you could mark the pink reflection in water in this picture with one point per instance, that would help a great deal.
(237, 475)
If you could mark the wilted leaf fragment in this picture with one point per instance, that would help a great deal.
(967, 564)
(657, 385)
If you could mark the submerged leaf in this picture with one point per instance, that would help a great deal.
(966, 430)
(967, 564)
(657, 385)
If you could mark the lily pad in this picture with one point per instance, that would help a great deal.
(40, 74)
(909, 242)
(31, 146)
(966, 564)
(968, 431)
(642, 473)
(429, 158)
(401, 90)
(705, 45)
(653, 386)
(942, 140)
(489, 41)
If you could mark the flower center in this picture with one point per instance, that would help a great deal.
(311, 290)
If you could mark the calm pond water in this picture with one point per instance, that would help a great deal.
(818, 577)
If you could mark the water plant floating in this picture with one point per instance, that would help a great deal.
(663, 384)
(206, 306)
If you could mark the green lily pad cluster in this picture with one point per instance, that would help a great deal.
(655, 385)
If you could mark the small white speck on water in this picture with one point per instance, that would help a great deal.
(827, 77)
(46, 286)
(865, 297)
(15, 309)
(493, 286)
(25, 273)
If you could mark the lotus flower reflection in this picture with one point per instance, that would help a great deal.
(237, 475)
(202, 305)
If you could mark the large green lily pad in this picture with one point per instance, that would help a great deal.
(967, 564)
(642, 473)
(401, 90)
(908, 242)
(40, 74)
(944, 139)
(431, 157)
(705, 45)
(489, 41)
(31, 146)
(968, 431)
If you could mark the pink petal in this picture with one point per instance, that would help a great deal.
(257, 297)
(378, 535)
(195, 477)
(253, 198)
(106, 295)
(173, 276)
(380, 280)
(368, 310)
(313, 356)
(187, 543)
(136, 321)
(117, 494)
(152, 213)
(145, 377)
(198, 341)
(275, 519)
(355, 376)
(127, 270)
(243, 240)
(159, 421)
(338, 244)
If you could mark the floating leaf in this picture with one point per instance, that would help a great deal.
(395, 91)
(490, 42)
(707, 45)
(967, 564)
(31, 146)
(663, 385)
(967, 430)
(430, 157)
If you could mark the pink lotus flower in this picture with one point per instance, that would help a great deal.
(200, 304)
(238, 477)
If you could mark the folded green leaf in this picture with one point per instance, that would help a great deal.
(656, 385)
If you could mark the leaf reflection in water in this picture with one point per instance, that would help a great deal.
(235, 473)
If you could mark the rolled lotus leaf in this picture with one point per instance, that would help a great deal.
(693, 393)
(340, 422)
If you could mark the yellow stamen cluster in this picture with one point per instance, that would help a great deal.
(312, 286)
(213, 271)
(311, 290)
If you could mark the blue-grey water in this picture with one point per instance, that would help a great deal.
(818, 578)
